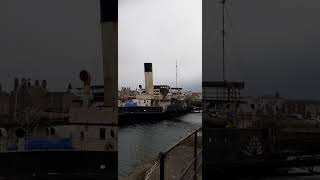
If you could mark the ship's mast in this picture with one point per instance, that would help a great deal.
(176, 73)
(223, 3)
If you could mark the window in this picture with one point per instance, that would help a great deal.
(47, 131)
(112, 133)
(102, 133)
(82, 135)
(52, 131)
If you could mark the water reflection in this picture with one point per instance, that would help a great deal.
(142, 142)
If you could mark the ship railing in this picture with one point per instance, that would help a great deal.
(57, 144)
(95, 144)
(182, 161)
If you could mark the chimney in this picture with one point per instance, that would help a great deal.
(44, 84)
(148, 75)
(16, 84)
(86, 79)
(29, 82)
(36, 83)
(23, 82)
(109, 30)
(69, 87)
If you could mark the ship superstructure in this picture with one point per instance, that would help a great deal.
(151, 101)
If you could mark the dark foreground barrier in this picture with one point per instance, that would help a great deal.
(233, 153)
(183, 161)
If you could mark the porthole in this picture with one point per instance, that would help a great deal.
(20, 132)
(102, 166)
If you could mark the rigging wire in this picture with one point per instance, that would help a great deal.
(223, 2)
(231, 26)
(228, 15)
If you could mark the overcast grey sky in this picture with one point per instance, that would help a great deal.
(55, 39)
(49, 39)
(161, 32)
(272, 45)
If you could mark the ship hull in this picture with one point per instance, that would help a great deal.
(51, 164)
(132, 118)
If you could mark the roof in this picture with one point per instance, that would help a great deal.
(59, 93)
(176, 88)
(93, 87)
(313, 102)
(97, 87)
(223, 84)
(161, 85)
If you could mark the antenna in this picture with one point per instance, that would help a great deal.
(176, 73)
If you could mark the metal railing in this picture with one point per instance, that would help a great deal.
(183, 160)
(149, 172)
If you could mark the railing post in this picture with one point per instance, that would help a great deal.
(195, 155)
(162, 156)
(267, 144)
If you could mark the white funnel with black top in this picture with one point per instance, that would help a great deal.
(109, 30)
(148, 75)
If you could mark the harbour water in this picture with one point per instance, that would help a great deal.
(142, 142)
